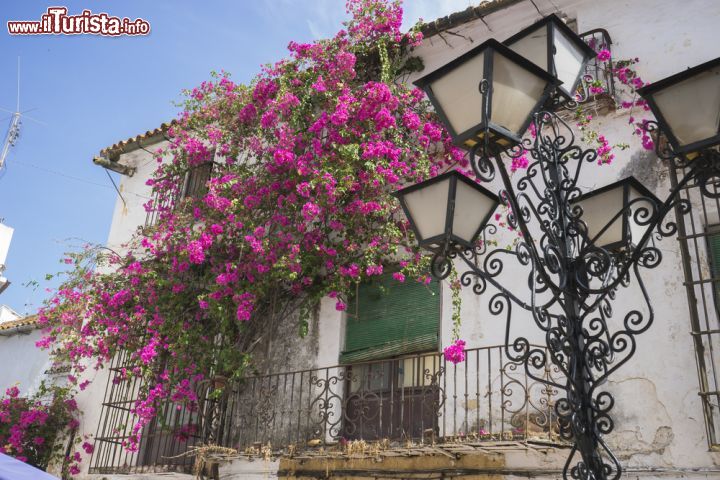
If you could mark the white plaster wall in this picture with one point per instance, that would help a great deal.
(21, 362)
(129, 215)
(331, 334)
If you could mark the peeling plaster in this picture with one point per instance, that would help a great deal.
(647, 168)
(653, 416)
(285, 348)
(630, 443)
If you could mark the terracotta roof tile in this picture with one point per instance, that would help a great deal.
(133, 143)
(31, 320)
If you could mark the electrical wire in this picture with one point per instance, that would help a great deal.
(116, 187)
(555, 6)
(70, 177)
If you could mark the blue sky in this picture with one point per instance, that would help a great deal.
(90, 92)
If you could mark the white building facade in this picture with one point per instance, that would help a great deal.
(336, 385)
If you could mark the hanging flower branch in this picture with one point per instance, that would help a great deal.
(622, 72)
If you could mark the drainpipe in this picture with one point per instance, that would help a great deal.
(114, 166)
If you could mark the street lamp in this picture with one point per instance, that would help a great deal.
(613, 214)
(578, 248)
(486, 96)
(553, 46)
(687, 107)
(449, 209)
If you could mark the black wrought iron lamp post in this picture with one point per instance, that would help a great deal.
(578, 249)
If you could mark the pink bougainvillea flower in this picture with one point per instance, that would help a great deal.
(455, 353)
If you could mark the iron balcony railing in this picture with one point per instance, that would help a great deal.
(597, 73)
(421, 398)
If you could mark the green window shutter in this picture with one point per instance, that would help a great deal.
(393, 318)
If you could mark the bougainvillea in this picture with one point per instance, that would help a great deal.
(627, 81)
(298, 208)
(455, 352)
(30, 425)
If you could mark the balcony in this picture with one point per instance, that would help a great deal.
(403, 402)
(598, 75)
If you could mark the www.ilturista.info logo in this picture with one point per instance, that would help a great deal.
(57, 22)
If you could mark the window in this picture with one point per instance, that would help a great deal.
(387, 318)
(416, 371)
(419, 371)
(176, 428)
(193, 184)
(392, 397)
(713, 247)
(196, 180)
(597, 72)
(699, 241)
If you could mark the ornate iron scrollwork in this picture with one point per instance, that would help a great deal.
(572, 281)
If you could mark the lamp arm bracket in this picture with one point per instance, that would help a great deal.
(509, 196)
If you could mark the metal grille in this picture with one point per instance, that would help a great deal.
(597, 71)
(421, 398)
(702, 283)
(193, 184)
(115, 429)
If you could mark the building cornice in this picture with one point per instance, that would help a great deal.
(470, 14)
(21, 325)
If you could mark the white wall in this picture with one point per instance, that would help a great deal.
(130, 214)
(21, 362)
(127, 217)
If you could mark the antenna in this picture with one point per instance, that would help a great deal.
(13, 132)
(11, 139)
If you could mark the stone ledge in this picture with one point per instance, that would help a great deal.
(466, 461)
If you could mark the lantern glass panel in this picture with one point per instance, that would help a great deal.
(598, 210)
(427, 208)
(568, 60)
(691, 108)
(458, 94)
(515, 93)
(471, 209)
(534, 47)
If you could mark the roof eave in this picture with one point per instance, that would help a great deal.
(456, 19)
(21, 325)
(109, 156)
